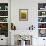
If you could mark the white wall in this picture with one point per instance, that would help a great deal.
(32, 6)
(32, 15)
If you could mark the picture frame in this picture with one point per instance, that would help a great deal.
(23, 14)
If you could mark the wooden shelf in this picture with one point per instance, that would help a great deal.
(42, 10)
(4, 19)
(3, 10)
(41, 28)
(3, 16)
(3, 22)
(41, 22)
(42, 16)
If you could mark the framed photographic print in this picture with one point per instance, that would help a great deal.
(23, 14)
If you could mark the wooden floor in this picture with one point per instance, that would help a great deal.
(3, 45)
